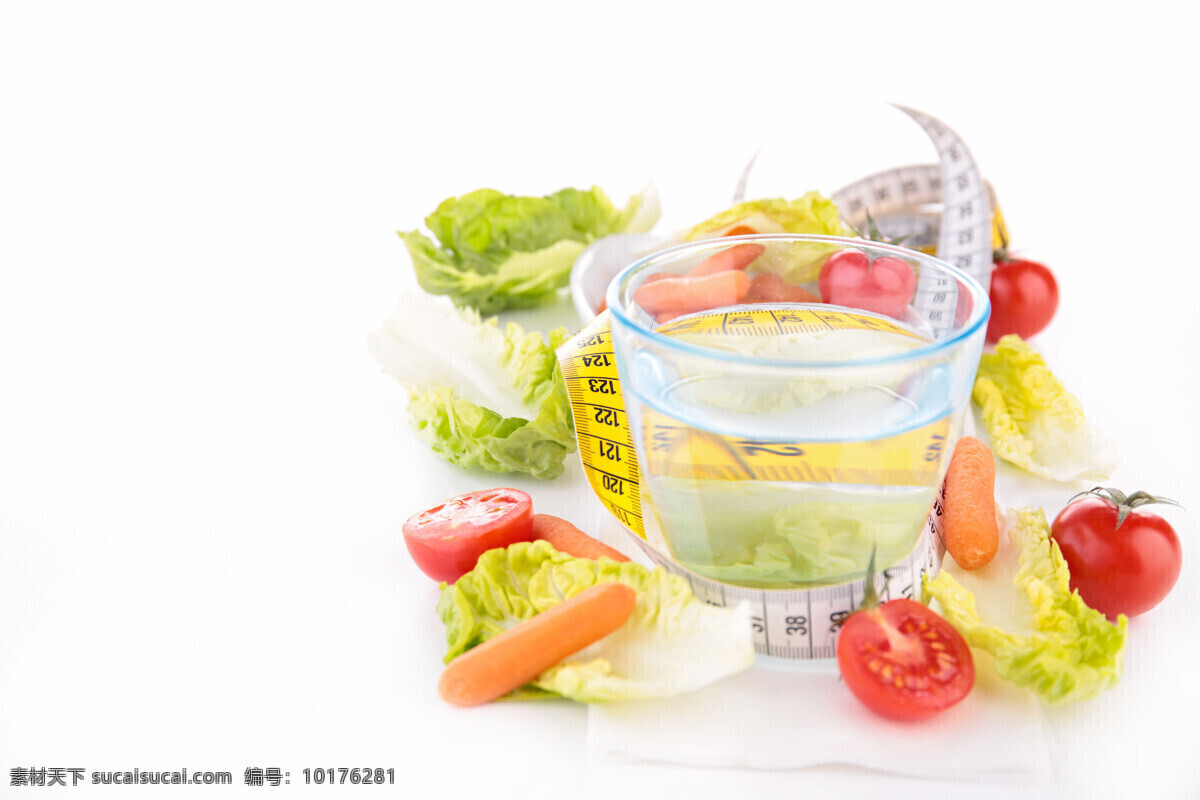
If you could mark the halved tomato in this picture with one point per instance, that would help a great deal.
(904, 661)
(448, 539)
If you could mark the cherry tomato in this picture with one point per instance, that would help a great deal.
(1123, 560)
(904, 661)
(850, 278)
(1024, 298)
(448, 539)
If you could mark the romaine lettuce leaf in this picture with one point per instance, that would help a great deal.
(480, 395)
(810, 213)
(1021, 610)
(760, 533)
(495, 251)
(673, 643)
(1033, 421)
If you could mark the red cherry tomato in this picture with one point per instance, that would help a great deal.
(904, 661)
(448, 539)
(1118, 569)
(850, 278)
(1024, 298)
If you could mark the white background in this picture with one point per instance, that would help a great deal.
(203, 474)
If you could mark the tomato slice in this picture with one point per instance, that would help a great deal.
(903, 661)
(448, 539)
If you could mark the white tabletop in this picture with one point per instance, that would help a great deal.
(203, 473)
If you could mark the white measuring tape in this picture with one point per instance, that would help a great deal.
(897, 200)
(792, 623)
(803, 623)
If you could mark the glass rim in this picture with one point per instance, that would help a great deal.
(980, 311)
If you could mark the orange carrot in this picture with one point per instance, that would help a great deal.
(513, 658)
(737, 257)
(740, 230)
(767, 287)
(969, 510)
(651, 278)
(566, 538)
(688, 294)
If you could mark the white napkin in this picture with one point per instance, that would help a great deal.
(790, 715)
(781, 716)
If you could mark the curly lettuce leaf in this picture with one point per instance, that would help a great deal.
(1033, 421)
(673, 643)
(480, 395)
(495, 251)
(1042, 635)
(810, 213)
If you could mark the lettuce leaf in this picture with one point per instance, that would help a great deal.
(495, 251)
(810, 213)
(480, 395)
(1042, 636)
(1033, 421)
(673, 643)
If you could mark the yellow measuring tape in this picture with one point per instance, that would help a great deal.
(606, 448)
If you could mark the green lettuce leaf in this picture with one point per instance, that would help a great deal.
(1042, 635)
(480, 395)
(673, 643)
(495, 251)
(1033, 421)
(810, 213)
(760, 533)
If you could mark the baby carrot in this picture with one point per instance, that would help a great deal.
(513, 658)
(740, 230)
(767, 287)
(969, 510)
(737, 257)
(566, 538)
(688, 294)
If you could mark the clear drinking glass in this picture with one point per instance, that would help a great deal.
(781, 439)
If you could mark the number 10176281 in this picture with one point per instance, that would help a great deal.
(362, 775)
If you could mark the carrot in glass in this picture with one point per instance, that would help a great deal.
(767, 287)
(688, 294)
(739, 256)
(513, 658)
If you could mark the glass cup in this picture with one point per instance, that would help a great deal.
(781, 440)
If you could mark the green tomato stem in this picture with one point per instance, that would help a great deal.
(1124, 503)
